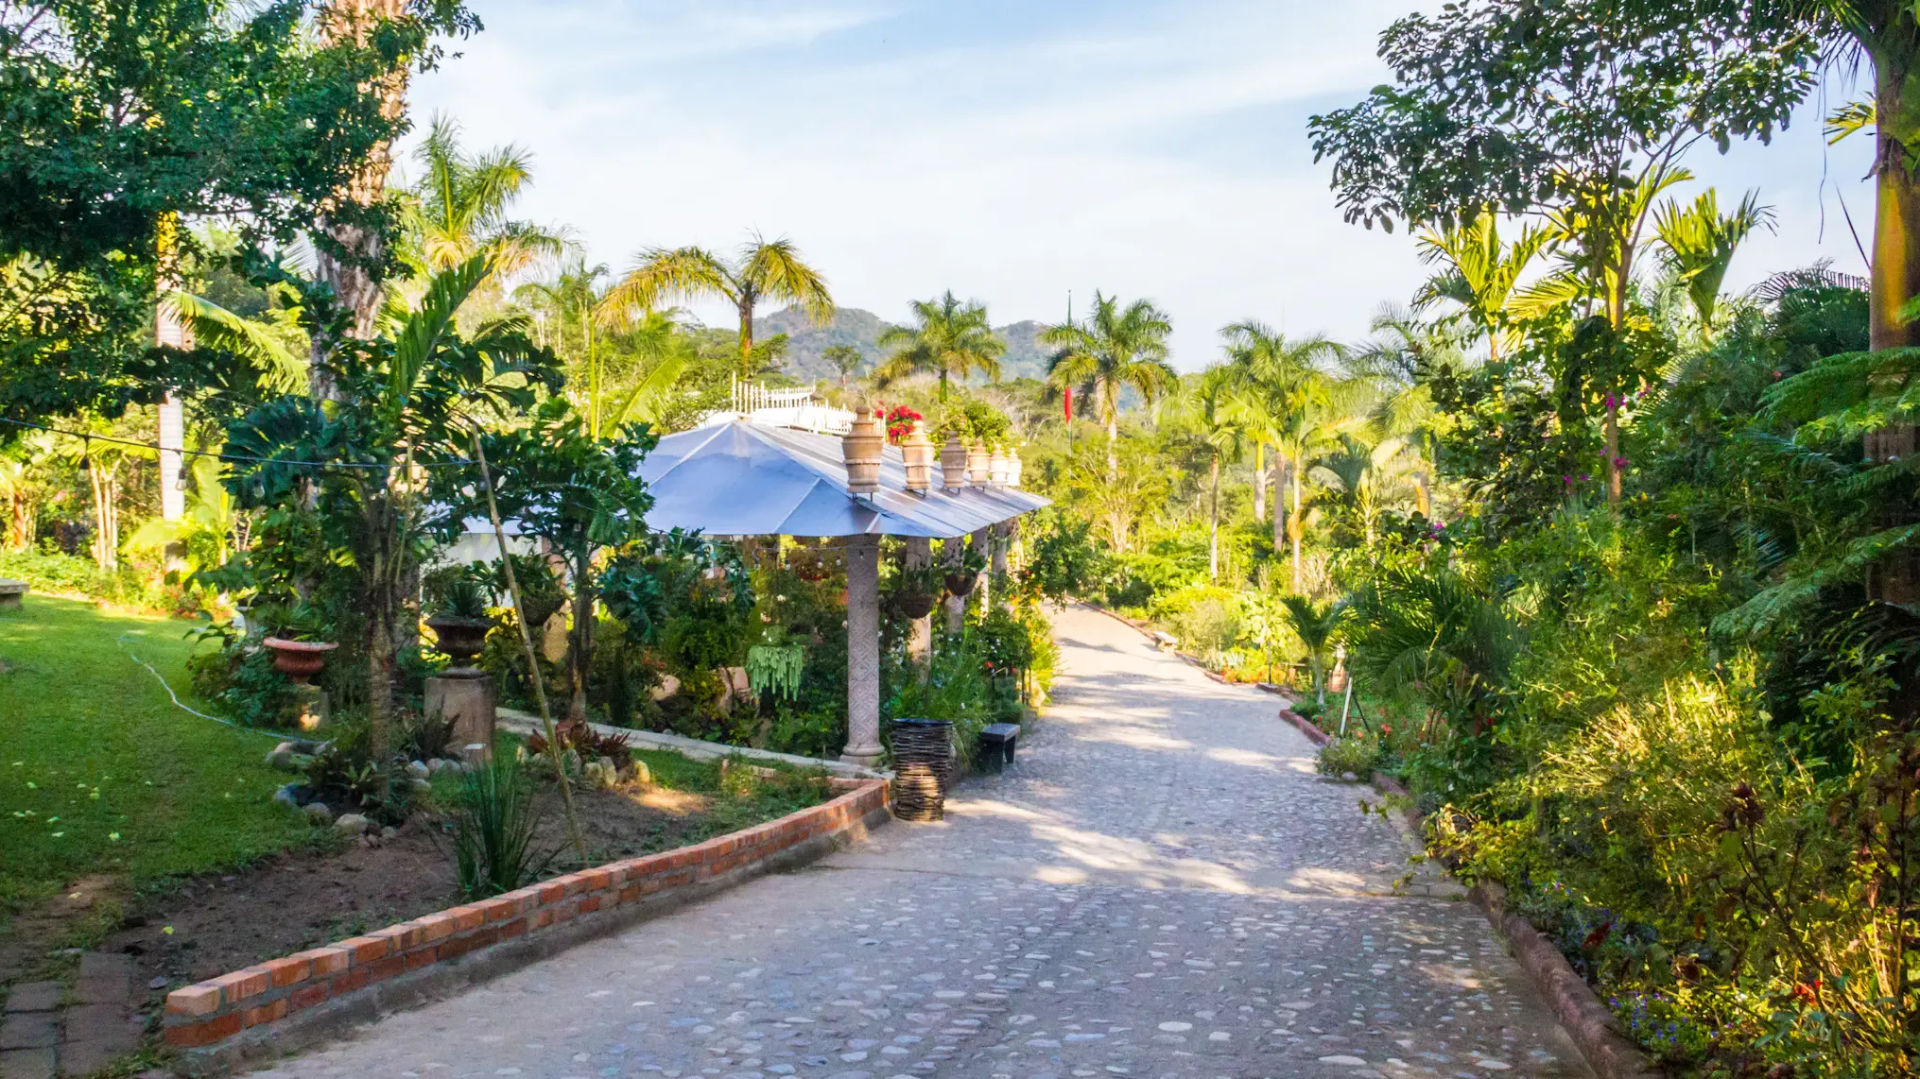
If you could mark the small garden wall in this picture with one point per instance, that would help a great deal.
(287, 1003)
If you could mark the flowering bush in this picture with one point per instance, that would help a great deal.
(900, 421)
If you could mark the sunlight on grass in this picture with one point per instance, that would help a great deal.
(99, 772)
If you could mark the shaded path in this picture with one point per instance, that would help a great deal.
(1161, 886)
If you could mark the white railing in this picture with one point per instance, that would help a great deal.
(796, 408)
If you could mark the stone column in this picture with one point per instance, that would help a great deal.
(1002, 534)
(920, 630)
(956, 606)
(982, 541)
(863, 651)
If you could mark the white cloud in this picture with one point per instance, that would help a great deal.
(1147, 148)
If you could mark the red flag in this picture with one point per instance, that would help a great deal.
(1069, 404)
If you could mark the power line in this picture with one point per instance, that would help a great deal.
(154, 446)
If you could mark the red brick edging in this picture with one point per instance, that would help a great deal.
(1594, 1029)
(251, 1011)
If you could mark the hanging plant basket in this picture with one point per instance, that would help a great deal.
(914, 604)
(299, 660)
(461, 638)
(539, 610)
(961, 584)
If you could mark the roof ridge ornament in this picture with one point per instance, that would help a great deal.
(862, 447)
(917, 451)
(953, 464)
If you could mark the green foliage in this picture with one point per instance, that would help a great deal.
(496, 826)
(1558, 95)
(114, 778)
(1358, 754)
(125, 117)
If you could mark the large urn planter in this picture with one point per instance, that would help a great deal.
(299, 660)
(461, 638)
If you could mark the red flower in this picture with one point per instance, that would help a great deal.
(900, 421)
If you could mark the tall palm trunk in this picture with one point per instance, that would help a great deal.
(1282, 470)
(1295, 526)
(1896, 263)
(105, 482)
(1259, 481)
(745, 307)
(1213, 523)
(345, 262)
(1113, 447)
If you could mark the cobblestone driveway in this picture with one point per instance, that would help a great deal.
(1161, 886)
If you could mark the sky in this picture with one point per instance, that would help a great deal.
(1010, 150)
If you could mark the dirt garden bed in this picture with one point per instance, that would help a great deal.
(210, 924)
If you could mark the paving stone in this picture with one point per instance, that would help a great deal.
(105, 978)
(28, 1030)
(96, 1035)
(34, 997)
(1161, 885)
(26, 1064)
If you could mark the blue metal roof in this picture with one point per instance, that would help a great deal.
(745, 479)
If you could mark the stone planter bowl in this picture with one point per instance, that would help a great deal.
(299, 660)
(460, 638)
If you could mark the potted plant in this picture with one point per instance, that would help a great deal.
(961, 578)
(916, 590)
(297, 638)
(540, 593)
(461, 623)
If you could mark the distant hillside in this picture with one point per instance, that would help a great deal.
(1025, 357)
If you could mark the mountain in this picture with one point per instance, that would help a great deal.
(1025, 357)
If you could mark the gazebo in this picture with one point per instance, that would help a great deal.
(740, 478)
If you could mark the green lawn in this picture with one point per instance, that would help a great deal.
(100, 773)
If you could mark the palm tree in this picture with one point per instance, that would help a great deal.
(1271, 372)
(1315, 624)
(953, 340)
(1368, 479)
(459, 207)
(845, 359)
(1700, 244)
(565, 313)
(1480, 273)
(1108, 353)
(1204, 406)
(1398, 362)
(763, 270)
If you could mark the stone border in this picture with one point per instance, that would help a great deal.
(290, 1003)
(1592, 1025)
(526, 723)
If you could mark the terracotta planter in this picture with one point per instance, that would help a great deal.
(460, 638)
(953, 464)
(961, 584)
(917, 452)
(978, 459)
(299, 660)
(863, 447)
(913, 604)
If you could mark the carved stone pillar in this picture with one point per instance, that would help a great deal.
(863, 651)
(920, 630)
(956, 606)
